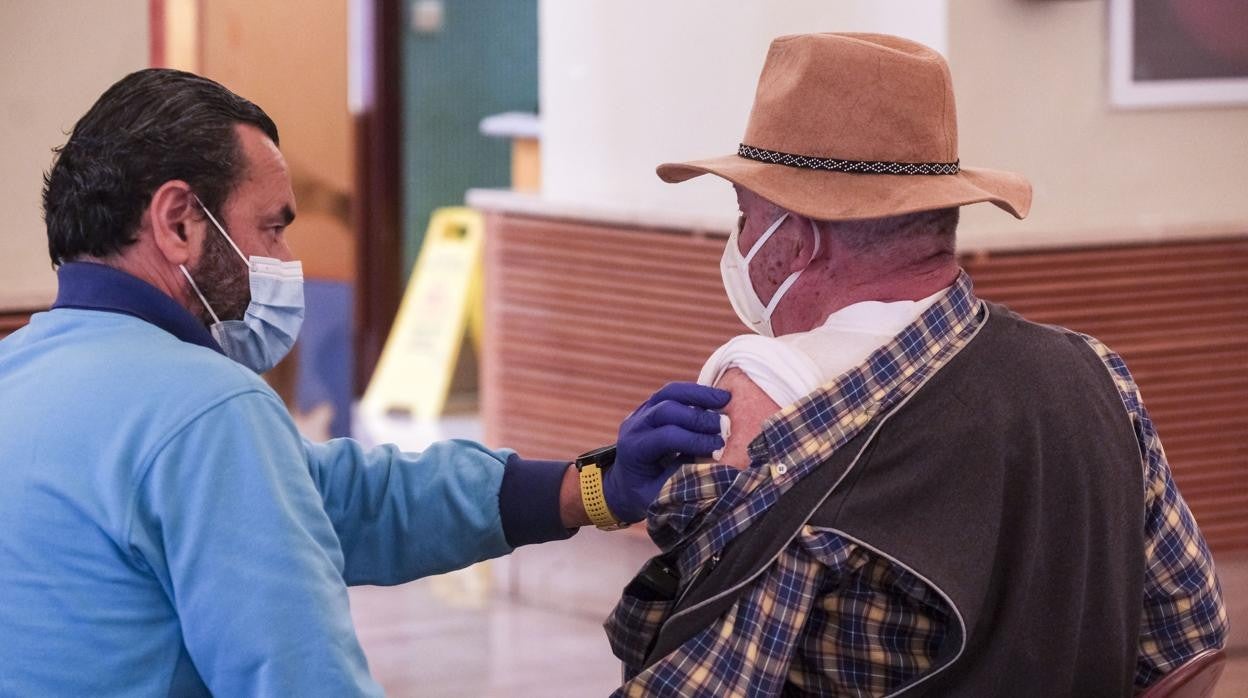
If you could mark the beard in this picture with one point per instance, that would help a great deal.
(223, 280)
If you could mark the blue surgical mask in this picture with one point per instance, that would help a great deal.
(273, 317)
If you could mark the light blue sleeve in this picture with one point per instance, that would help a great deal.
(400, 516)
(228, 520)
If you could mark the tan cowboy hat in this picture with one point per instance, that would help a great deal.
(848, 126)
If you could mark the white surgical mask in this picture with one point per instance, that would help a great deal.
(735, 271)
(273, 318)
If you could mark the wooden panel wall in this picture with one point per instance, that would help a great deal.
(11, 321)
(585, 321)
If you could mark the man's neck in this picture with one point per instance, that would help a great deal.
(910, 287)
(812, 308)
(167, 280)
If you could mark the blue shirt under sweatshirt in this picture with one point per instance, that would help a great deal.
(166, 531)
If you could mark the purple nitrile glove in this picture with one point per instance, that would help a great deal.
(675, 425)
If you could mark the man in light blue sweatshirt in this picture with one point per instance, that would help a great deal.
(166, 531)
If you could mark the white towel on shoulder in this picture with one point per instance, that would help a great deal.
(791, 366)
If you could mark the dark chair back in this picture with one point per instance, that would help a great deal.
(1195, 679)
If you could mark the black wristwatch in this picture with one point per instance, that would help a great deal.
(603, 457)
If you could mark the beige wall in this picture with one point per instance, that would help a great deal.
(1032, 89)
(290, 57)
(56, 58)
(628, 85)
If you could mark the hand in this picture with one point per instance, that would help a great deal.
(675, 425)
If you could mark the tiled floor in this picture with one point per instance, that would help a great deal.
(421, 645)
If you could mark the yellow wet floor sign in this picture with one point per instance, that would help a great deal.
(442, 302)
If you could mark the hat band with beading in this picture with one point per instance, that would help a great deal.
(811, 162)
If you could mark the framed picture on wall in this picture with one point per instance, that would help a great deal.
(1178, 52)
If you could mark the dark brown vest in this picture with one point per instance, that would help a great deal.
(1012, 482)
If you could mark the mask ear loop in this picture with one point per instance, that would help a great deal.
(818, 241)
(195, 288)
(223, 233)
(765, 236)
(784, 286)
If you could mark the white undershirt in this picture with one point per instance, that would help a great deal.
(791, 366)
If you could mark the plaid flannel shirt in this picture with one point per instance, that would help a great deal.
(829, 617)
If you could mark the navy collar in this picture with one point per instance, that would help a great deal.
(91, 286)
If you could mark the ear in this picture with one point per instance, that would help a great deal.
(177, 224)
(812, 244)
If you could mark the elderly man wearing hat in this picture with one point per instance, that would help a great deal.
(922, 492)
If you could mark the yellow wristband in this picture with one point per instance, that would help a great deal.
(594, 501)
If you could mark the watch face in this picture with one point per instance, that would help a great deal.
(602, 457)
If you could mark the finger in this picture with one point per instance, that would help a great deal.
(684, 459)
(703, 444)
(684, 416)
(671, 439)
(692, 394)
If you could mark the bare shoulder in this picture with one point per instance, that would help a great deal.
(748, 409)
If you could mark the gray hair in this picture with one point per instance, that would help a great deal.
(909, 238)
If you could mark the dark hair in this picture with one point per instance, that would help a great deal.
(150, 127)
